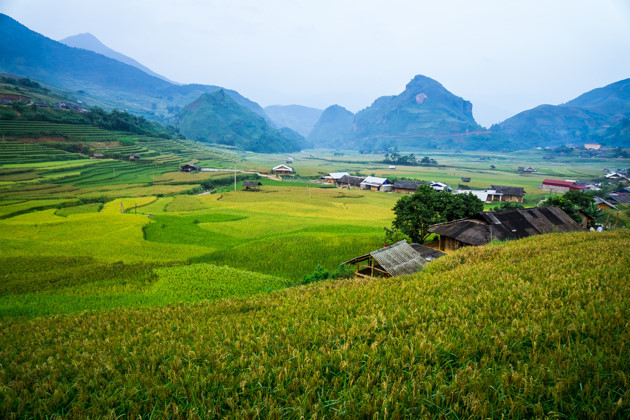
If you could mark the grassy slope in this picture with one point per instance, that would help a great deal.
(536, 327)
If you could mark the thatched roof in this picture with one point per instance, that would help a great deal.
(518, 191)
(506, 224)
(403, 184)
(251, 184)
(351, 180)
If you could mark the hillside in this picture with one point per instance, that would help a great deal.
(334, 129)
(296, 117)
(95, 79)
(217, 118)
(89, 42)
(601, 115)
(532, 328)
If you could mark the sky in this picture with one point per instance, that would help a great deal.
(505, 56)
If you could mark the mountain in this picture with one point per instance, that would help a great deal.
(600, 115)
(96, 79)
(217, 118)
(89, 42)
(296, 117)
(334, 129)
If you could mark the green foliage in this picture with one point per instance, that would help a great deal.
(572, 202)
(510, 205)
(426, 207)
(319, 274)
(394, 235)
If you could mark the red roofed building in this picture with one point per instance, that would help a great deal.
(557, 186)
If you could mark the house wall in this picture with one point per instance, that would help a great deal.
(553, 189)
(404, 191)
(449, 244)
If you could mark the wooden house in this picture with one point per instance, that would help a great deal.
(602, 204)
(502, 225)
(403, 186)
(619, 198)
(133, 157)
(528, 170)
(503, 193)
(189, 167)
(282, 170)
(332, 177)
(375, 183)
(349, 181)
(394, 260)
(252, 185)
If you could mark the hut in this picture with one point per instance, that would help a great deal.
(394, 260)
(333, 177)
(97, 156)
(349, 181)
(528, 170)
(252, 185)
(134, 157)
(503, 193)
(282, 170)
(465, 179)
(375, 183)
(189, 167)
(502, 225)
(403, 186)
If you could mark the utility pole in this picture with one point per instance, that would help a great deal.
(234, 176)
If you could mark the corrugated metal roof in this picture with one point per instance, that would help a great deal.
(399, 258)
(374, 180)
(404, 184)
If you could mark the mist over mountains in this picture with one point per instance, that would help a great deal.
(424, 115)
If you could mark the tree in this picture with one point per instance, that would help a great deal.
(510, 205)
(426, 207)
(572, 202)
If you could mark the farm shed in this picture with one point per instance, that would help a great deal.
(97, 156)
(189, 167)
(558, 186)
(375, 183)
(134, 156)
(619, 198)
(252, 185)
(465, 179)
(604, 204)
(394, 260)
(503, 193)
(502, 225)
(282, 170)
(529, 170)
(349, 181)
(403, 186)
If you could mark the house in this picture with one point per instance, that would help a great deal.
(440, 186)
(97, 156)
(403, 186)
(252, 185)
(282, 170)
(616, 176)
(349, 181)
(189, 167)
(465, 179)
(482, 195)
(375, 183)
(134, 157)
(392, 167)
(602, 204)
(394, 260)
(528, 170)
(558, 186)
(484, 227)
(592, 146)
(333, 177)
(503, 193)
(619, 198)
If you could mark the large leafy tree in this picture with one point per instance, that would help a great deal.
(426, 207)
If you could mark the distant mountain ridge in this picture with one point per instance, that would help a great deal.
(296, 117)
(89, 42)
(600, 115)
(215, 117)
(96, 79)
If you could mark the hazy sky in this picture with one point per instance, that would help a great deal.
(504, 56)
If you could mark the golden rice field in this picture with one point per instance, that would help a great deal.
(531, 328)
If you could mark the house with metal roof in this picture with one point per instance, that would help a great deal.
(480, 194)
(349, 181)
(252, 185)
(501, 225)
(282, 170)
(503, 193)
(404, 186)
(394, 260)
(558, 186)
(332, 177)
(375, 183)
